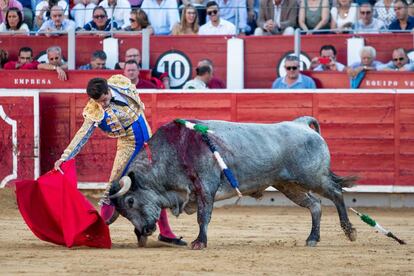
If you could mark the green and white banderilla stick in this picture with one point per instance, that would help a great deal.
(368, 220)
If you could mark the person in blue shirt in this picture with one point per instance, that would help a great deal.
(293, 79)
(404, 22)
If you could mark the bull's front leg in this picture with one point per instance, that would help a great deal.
(205, 208)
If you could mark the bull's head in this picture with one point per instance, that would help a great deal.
(136, 203)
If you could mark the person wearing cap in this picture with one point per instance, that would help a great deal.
(216, 25)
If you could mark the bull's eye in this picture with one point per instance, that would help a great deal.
(130, 202)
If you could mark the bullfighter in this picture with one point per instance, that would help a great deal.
(115, 107)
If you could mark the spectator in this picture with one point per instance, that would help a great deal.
(216, 25)
(235, 12)
(286, 17)
(28, 8)
(326, 60)
(57, 22)
(4, 56)
(130, 54)
(214, 83)
(384, 10)
(411, 8)
(399, 62)
(403, 21)
(118, 11)
(82, 12)
(24, 61)
(162, 14)
(44, 7)
(344, 15)
(98, 60)
(14, 22)
(253, 7)
(204, 75)
(367, 23)
(161, 80)
(189, 22)
(314, 15)
(7, 4)
(200, 7)
(100, 21)
(55, 62)
(293, 79)
(139, 21)
(131, 71)
(367, 63)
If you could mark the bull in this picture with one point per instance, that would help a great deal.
(183, 175)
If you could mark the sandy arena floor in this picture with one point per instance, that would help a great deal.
(242, 241)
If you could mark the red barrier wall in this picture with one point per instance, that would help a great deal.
(79, 79)
(18, 122)
(370, 135)
(262, 54)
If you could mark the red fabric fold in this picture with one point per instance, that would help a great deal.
(57, 212)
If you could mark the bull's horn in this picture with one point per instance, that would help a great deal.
(125, 183)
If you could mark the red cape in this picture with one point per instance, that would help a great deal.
(57, 212)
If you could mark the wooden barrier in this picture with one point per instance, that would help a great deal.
(19, 135)
(262, 54)
(370, 134)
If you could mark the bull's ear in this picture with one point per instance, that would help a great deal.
(135, 183)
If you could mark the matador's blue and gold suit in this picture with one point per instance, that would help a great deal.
(123, 119)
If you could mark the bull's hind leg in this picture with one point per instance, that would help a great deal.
(335, 195)
(305, 199)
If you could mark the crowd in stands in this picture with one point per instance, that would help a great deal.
(221, 17)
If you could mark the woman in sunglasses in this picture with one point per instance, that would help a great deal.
(139, 21)
(100, 21)
(189, 22)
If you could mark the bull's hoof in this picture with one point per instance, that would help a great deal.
(198, 245)
(352, 234)
(311, 243)
(142, 241)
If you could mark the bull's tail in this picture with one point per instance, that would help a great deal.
(310, 121)
(343, 181)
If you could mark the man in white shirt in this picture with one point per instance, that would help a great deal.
(216, 25)
(162, 14)
(118, 11)
(367, 23)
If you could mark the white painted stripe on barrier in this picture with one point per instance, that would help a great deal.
(239, 91)
(36, 134)
(13, 124)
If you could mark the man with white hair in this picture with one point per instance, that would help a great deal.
(367, 63)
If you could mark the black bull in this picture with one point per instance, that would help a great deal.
(184, 175)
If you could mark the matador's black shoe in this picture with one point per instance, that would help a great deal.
(175, 242)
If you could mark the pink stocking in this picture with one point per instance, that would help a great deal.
(164, 226)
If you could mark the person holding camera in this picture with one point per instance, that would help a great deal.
(326, 60)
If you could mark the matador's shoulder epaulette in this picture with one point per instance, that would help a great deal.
(93, 111)
(120, 81)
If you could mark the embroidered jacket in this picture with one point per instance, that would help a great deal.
(115, 120)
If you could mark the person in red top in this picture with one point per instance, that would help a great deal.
(24, 61)
(131, 71)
